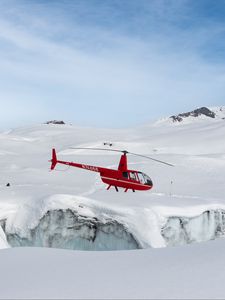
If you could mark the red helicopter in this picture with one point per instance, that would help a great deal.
(123, 178)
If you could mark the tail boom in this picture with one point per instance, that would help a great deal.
(55, 161)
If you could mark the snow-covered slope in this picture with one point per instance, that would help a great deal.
(193, 272)
(219, 111)
(70, 208)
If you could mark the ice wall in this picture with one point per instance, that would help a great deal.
(3, 242)
(66, 228)
(69, 230)
(182, 230)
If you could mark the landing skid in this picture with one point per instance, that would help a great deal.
(116, 188)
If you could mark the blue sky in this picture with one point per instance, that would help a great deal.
(108, 63)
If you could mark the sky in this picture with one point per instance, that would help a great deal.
(109, 63)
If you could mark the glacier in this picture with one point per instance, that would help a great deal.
(182, 230)
(67, 229)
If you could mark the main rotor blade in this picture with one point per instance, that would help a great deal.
(157, 160)
(125, 152)
(78, 148)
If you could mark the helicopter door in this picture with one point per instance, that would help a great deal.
(133, 176)
(141, 178)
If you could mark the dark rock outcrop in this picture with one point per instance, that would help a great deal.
(56, 122)
(195, 113)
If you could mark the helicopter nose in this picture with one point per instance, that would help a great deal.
(149, 182)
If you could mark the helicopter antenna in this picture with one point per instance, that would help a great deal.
(126, 152)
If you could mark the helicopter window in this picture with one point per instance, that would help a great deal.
(132, 176)
(141, 178)
(148, 180)
(144, 179)
(125, 174)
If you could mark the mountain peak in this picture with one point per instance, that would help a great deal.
(205, 112)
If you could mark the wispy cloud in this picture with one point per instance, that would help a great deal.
(72, 61)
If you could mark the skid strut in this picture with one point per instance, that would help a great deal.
(114, 186)
(127, 190)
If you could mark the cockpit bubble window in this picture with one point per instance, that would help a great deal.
(141, 178)
(144, 179)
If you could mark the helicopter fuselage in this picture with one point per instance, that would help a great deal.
(122, 178)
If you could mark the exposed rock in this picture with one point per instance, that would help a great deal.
(56, 122)
(107, 144)
(195, 113)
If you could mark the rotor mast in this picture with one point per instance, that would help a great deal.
(123, 162)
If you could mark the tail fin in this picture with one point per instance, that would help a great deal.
(54, 159)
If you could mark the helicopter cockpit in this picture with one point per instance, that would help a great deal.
(138, 176)
(144, 179)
